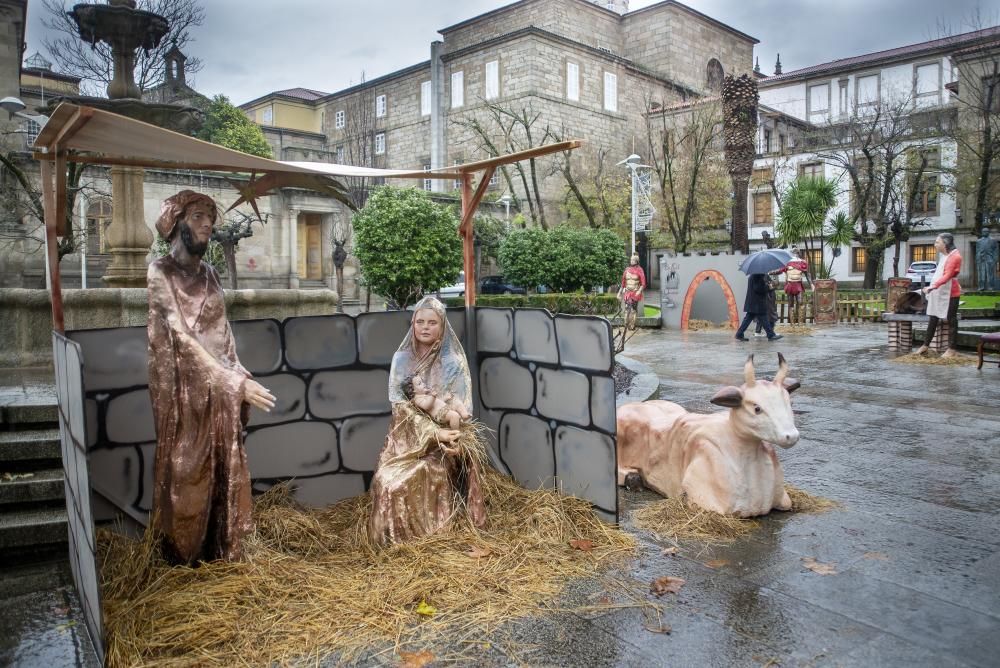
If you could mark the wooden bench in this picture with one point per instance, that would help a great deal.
(990, 339)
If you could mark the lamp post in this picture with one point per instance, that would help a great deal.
(632, 162)
(506, 199)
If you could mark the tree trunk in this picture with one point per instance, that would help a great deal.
(871, 269)
(229, 252)
(741, 242)
(340, 289)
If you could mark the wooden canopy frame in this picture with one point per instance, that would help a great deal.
(76, 133)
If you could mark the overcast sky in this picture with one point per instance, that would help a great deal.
(252, 48)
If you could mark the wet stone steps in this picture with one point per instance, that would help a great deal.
(31, 487)
(27, 445)
(33, 527)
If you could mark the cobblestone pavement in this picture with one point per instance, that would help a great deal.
(911, 452)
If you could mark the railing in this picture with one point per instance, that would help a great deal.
(852, 307)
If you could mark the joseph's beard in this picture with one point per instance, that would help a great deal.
(192, 246)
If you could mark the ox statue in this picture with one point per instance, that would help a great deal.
(723, 462)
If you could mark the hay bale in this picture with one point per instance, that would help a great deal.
(797, 329)
(313, 584)
(695, 325)
(675, 520)
(935, 360)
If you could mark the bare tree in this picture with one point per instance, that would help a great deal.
(508, 129)
(874, 148)
(683, 150)
(597, 194)
(94, 63)
(229, 233)
(362, 145)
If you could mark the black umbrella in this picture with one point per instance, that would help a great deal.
(765, 261)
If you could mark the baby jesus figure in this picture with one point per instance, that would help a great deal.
(447, 412)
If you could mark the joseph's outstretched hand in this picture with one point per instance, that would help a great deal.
(257, 395)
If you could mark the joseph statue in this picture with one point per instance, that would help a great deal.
(986, 260)
(200, 392)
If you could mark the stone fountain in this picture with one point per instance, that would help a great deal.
(127, 29)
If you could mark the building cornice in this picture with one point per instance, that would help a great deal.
(693, 12)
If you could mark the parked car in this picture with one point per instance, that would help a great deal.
(456, 290)
(921, 272)
(497, 285)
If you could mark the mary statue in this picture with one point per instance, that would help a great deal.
(422, 482)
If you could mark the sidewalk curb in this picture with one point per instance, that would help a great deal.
(645, 385)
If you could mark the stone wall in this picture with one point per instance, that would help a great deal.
(685, 277)
(27, 314)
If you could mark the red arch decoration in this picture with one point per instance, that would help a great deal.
(727, 292)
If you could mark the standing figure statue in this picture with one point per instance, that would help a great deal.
(200, 393)
(796, 272)
(633, 282)
(986, 260)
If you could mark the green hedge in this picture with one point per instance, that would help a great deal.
(569, 303)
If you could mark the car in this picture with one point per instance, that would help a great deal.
(497, 285)
(456, 290)
(921, 272)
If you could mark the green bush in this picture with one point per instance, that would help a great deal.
(407, 245)
(573, 303)
(566, 258)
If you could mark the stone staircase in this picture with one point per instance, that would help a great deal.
(32, 505)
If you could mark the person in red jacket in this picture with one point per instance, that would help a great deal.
(943, 293)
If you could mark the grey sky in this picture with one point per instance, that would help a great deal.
(252, 48)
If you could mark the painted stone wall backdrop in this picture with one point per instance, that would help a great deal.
(686, 295)
(546, 392)
(68, 364)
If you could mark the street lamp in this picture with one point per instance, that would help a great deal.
(506, 199)
(632, 162)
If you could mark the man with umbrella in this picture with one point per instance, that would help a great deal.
(757, 267)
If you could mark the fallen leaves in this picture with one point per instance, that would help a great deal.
(11, 477)
(426, 609)
(668, 551)
(662, 628)
(717, 563)
(818, 567)
(876, 556)
(666, 585)
(415, 659)
(582, 545)
(477, 552)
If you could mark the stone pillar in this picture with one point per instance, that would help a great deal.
(825, 301)
(128, 237)
(292, 221)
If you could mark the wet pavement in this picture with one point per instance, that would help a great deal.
(911, 452)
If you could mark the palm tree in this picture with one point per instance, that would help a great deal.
(802, 219)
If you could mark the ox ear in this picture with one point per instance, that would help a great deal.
(730, 397)
(792, 384)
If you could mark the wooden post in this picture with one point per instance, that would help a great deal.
(51, 183)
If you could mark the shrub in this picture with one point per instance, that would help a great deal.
(565, 259)
(574, 303)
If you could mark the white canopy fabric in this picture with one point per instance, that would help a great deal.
(110, 138)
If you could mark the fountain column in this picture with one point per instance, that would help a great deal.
(129, 237)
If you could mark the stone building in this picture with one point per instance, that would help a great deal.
(585, 69)
(802, 110)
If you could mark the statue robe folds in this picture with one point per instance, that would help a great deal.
(201, 496)
(417, 489)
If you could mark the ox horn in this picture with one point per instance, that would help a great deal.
(779, 379)
(748, 374)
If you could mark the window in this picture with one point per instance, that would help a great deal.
(98, 220)
(819, 102)
(267, 117)
(842, 97)
(781, 143)
(492, 90)
(457, 90)
(858, 259)
(380, 106)
(714, 75)
(811, 170)
(495, 178)
(763, 211)
(610, 91)
(338, 119)
(31, 131)
(573, 82)
(923, 253)
(925, 202)
(814, 257)
(458, 182)
(867, 91)
(425, 98)
(427, 182)
(927, 85)
(762, 177)
(765, 145)
(340, 154)
(380, 143)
